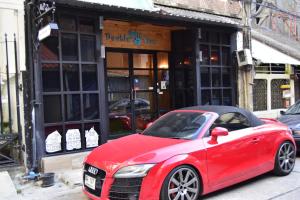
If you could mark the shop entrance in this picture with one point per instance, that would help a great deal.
(138, 89)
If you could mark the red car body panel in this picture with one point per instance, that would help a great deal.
(241, 155)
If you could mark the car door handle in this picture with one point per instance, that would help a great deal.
(255, 140)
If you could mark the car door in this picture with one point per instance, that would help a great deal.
(234, 156)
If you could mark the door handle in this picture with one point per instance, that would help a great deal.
(255, 140)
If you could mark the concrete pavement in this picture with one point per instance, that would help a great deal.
(265, 187)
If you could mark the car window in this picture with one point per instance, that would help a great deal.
(232, 121)
(294, 109)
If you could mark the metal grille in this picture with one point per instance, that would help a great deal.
(10, 127)
(125, 188)
(276, 93)
(260, 95)
(100, 176)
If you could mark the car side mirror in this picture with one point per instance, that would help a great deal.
(149, 124)
(216, 132)
(282, 112)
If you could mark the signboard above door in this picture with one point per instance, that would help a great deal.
(136, 35)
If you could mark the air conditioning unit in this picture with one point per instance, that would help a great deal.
(244, 57)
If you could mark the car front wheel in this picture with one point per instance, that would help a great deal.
(182, 183)
(285, 159)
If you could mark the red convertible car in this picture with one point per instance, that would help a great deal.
(188, 153)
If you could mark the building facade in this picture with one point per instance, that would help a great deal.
(111, 69)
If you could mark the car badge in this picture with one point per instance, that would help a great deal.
(93, 170)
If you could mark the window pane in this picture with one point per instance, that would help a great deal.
(87, 44)
(71, 77)
(143, 79)
(86, 25)
(227, 97)
(205, 97)
(215, 55)
(69, 47)
(227, 77)
(52, 108)
(119, 103)
(216, 97)
(214, 37)
(72, 107)
(67, 23)
(205, 77)
(260, 94)
(205, 55)
(216, 77)
(49, 48)
(144, 61)
(118, 80)
(51, 77)
(116, 60)
(226, 56)
(89, 77)
(276, 93)
(91, 106)
(162, 60)
(225, 38)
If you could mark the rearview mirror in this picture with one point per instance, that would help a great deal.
(282, 112)
(216, 132)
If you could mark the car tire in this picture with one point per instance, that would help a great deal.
(181, 181)
(285, 159)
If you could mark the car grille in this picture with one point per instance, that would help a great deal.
(99, 180)
(125, 189)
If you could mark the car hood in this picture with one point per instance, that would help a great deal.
(293, 121)
(134, 149)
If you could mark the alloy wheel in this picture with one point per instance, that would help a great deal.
(286, 157)
(183, 185)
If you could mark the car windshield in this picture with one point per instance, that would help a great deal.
(294, 109)
(178, 125)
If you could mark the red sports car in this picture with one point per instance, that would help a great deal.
(187, 153)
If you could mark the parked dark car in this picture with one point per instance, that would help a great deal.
(291, 117)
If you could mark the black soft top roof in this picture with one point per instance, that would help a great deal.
(220, 110)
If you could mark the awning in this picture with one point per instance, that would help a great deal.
(267, 54)
(135, 4)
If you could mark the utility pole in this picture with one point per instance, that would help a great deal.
(247, 72)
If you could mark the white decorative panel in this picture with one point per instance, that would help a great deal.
(92, 138)
(53, 142)
(73, 139)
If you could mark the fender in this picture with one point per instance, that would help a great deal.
(164, 168)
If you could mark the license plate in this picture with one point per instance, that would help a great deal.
(90, 182)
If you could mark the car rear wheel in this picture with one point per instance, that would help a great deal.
(182, 183)
(285, 159)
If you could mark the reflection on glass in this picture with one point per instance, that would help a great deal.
(227, 97)
(69, 47)
(89, 77)
(116, 60)
(71, 77)
(226, 72)
(205, 77)
(205, 97)
(162, 60)
(52, 108)
(215, 55)
(91, 106)
(119, 103)
(216, 77)
(118, 80)
(216, 97)
(143, 79)
(49, 48)
(144, 61)
(51, 77)
(72, 107)
(88, 45)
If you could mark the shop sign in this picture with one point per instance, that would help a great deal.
(73, 139)
(91, 137)
(53, 142)
(129, 35)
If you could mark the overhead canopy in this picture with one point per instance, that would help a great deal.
(135, 4)
(267, 54)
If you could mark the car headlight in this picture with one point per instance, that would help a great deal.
(133, 171)
(296, 133)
